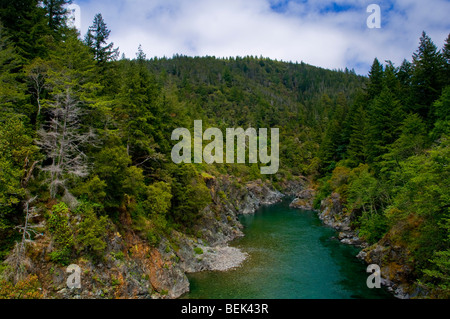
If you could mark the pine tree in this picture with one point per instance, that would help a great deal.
(140, 55)
(446, 55)
(404, 76)
(384, 117)
(12, 90)
(26, 26)
(441, 111)
(357, 148)
(375, 79)
(427, 80)
(96, 38)
(56, 12)
(137, 112)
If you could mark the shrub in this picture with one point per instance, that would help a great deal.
(198, 250)
(58, 225)
(27, 288)
(91, 231)
(372, 226)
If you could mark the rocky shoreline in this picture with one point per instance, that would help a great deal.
(333, 214)
(131, 268)
(219, 225)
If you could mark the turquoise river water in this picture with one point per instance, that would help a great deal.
(292, 255)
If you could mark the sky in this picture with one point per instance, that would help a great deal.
(324, 33)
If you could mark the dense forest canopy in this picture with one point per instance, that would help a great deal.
(84, 132)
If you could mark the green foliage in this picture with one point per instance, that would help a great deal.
(93, 190)
(96, 38)
(364, 190)
(62, 234)
(423, 195)
(384, 118)
(441, 110)
(56, 12)
(372, 226)
(27, 27)
(437, 279)
(357, 150)
(190, 195)
(198, 250)
(380, 141)
(362, 195)
(428, 77)
(111, 167)
(28, 288)
(18, 158)
(133, 181)
(158, 198)
(91, 231)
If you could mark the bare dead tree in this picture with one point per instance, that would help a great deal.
(62, 140)
(17, 260)
(28, 229)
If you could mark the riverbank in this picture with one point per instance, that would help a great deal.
(391, 259)
(291, 255)
(218, 226)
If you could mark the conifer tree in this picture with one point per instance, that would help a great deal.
(375, 79)
(137, 112)
(56, 12)
(446, 55)
(427, 80)
(12, 90)
(96, 38)
(26, 26)
(384, 117)
(357, 148)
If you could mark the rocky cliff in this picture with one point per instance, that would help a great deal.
(392, 257)
(131, 268)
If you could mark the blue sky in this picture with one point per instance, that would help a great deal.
(329, 34)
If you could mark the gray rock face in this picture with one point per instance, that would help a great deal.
(395, 269)
(218, 226)
(332, 214)
(392, 260)
(304, 199)
(258, 194)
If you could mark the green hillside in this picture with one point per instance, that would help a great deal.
(87, 135)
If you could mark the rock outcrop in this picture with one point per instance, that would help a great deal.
(304, 199)
(396, 269)
(333, 214)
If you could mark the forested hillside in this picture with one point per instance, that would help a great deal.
(86, 135)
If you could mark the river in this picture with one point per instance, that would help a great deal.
(292, 255)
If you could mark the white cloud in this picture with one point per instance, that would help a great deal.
(311, 31)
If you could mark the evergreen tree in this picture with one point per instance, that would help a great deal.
(71, 85)
(446, 55)
(384, 117)
(410, 142)
(333, 146)
(375, 84)
(427, 80)
(26, 26)
(357, 148)
(12, 90)
(140, 55)
(56, 12)
(441, 110)
(138, 113)
(404, 76)
(96, 38)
